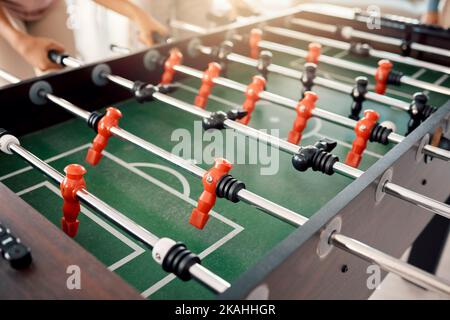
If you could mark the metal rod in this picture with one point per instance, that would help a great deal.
(346, 46)
(120, 81)
(349, 65)
(322, 58)
(181, 25)
(265, 205)
(272, 208)
(71, 62)
(425, 85)
(8, 77)
(208, 278)
(163, 154)
(417, 199)
(245, 195)
(331, 84)
(391, 264)
(119, 49)
(283, 101)
(349, 32)
(68, 106)
(340, 168)
(436, 152)
(198, 272)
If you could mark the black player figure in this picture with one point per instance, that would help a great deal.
(264, 61)
(419, 111)
(359, 96)
(225, 48)
(308, 76)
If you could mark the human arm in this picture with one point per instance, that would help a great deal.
(33, 49)
(144, 21)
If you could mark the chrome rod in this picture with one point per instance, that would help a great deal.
(93, 202)
(391, 264)
(181, 25)
(436, 152)
(71, 62)
(283, 101)
(8, 77)
(417, 199)
(198, 272)
(120, 81)
(161, 153)
(429, 49)
(349, 65)
(346, 46)
(331, 84)
(272, 208)
(68, 106)
(263, 204)
(119, 49)
(425, 85)
(208, 278)
(339, 167)
(347, 171)
(245, 195)
(349, 33)
(322, 58)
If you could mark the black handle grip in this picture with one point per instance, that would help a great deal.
(57, 57)
(159, 38)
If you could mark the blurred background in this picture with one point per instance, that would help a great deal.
(95, 27)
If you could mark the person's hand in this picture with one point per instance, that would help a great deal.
(35, 51)
(147, 25)
(431, 17)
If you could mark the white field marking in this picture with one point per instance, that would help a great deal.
(439, 81)
(349, 146)
(167, 188)
(211, 96)
(167, 279)
(315, 130)
(137, 250)
(237, 228)
(57, 157)
(418, 73)
(179, 176)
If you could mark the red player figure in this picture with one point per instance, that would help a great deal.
(304, 111)
(313, 53)
(212, 72)
(363, 130)
(255, 39)
(252, 96)
(72, 183)
(200, 215)
(111, 119)
(381, 75)
(175, 58)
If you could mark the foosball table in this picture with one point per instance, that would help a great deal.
(276, 158)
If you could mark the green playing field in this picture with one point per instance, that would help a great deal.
(160, 197)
